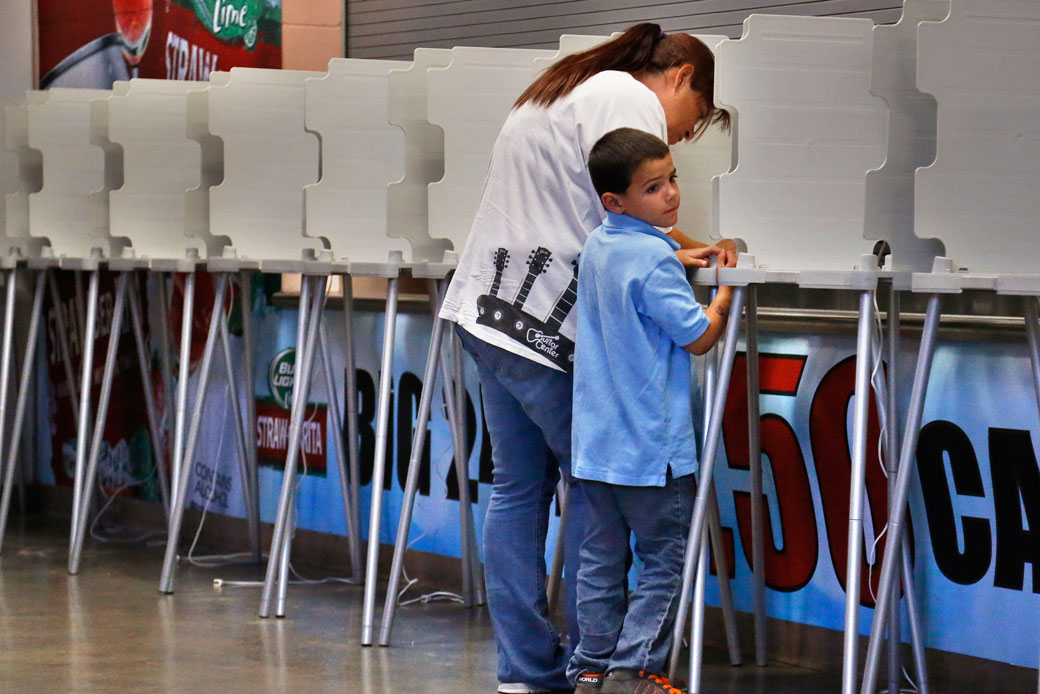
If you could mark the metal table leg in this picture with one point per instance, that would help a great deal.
(63, 342)
(697, 627)
(154, 426)
(891, 443)
(711, 367)
(712, 436)
(729, 615)
(79, 494)
(412, 481)
(281, 539)
(473, 590)
(23, 395)
(288, 491)
(11, 277)
(343, 468)
(242, 448)
(379, 464)
(893, 549)
(916, 639)
(105, 395)
(758, 568)
(183, 470)
(183, 376)
(856, 494)
(253, 481)
(350, 396)
(1033, 337)
(80, 315)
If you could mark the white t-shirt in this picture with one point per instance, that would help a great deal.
(516, 282)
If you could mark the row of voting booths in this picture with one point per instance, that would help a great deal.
(898, 159)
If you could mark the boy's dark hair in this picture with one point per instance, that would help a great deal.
(617, 155)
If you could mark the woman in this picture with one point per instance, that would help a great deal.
(512, 296)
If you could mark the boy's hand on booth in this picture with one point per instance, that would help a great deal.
(729, 256)
(700, 256)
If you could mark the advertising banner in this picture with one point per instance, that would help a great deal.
(126, 463)
(975, 495)
(93, 43)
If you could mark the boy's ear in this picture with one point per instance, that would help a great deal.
(612, 203)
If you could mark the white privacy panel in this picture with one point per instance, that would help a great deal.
(211, 161)
(99, 199)
(569, 43)
(911, 138)
(64, 210)
(10, 173)
(697, 164)
(148, 119)
(470, 99)
(361, 154)
(269, 158)
(982, 194)
(808, 130)
(407, 202)
(21, 173)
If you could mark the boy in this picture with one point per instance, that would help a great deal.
(632, 432)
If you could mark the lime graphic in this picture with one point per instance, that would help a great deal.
(229, 20)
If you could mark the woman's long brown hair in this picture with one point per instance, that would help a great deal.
(642, 48)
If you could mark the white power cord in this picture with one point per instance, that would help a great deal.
(214, 560)
(220, 582)
(872, 559)
(409, 582)
(96, 535)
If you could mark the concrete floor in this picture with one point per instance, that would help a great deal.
(109, 630)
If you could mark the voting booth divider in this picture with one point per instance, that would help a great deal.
(861, 159)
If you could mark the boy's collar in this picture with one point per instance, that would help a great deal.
(628, 223)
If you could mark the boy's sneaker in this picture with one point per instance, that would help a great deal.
(589, 683)
(520, 688)
(633, 682)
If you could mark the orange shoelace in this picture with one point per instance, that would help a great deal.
(663, 681)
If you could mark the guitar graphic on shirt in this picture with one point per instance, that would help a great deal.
(537, 264)
(565, 303)
(501, 263)
(542, 335)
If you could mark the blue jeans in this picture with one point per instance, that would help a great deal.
(527, 407)
(639, 636)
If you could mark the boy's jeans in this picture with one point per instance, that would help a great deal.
(527, 407)
(639, 637)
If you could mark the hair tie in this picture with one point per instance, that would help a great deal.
(661, 36)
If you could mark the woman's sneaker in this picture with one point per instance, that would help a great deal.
(632, 682)
(589, 683)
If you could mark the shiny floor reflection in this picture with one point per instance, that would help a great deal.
(109, 630)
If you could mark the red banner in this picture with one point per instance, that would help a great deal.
(272, 436)
(93, 43)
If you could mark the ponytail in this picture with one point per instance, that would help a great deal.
(642, 48)
(631, 52)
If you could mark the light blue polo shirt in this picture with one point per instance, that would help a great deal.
(632, 398)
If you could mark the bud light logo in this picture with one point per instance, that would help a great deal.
(280, 376)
